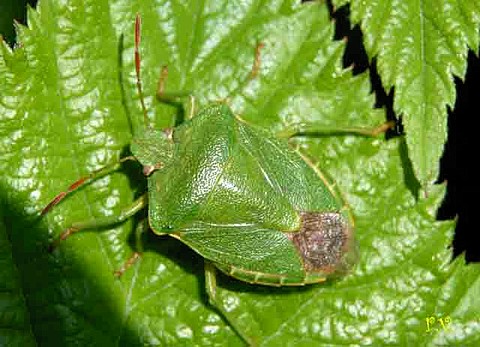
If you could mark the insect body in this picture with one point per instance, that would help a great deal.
(244, 200)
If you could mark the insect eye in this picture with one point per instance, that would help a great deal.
(325, 242)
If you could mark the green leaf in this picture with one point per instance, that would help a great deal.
(14, 318)
(419, 46)
(68, 106)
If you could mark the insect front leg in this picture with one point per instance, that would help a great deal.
(211, 289)
(256, 62)
(174, 97)
(254, 72)
(126, 213)
(85, 180)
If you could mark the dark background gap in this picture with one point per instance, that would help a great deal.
(456, 165)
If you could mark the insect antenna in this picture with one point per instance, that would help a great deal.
(138, 23)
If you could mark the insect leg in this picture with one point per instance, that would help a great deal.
(319, 130)
(254, 71)
(85, 180)
(256, 63)
(211, 288)
(174, 97)
(126, 213)
(179, 97)
(139, 230)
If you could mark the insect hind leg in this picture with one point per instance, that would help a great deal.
(211, 289)
(141, 228)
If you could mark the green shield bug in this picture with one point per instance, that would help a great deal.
(238, 195)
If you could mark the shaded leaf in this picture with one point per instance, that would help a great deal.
(14, 317)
